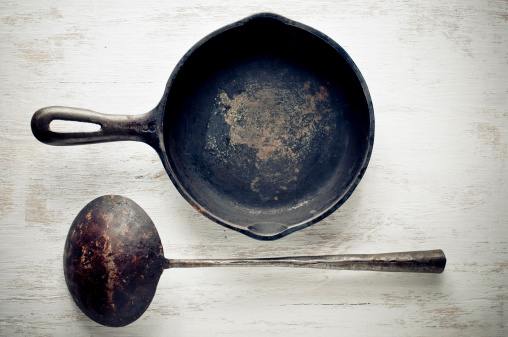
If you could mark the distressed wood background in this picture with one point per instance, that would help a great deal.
(438, 178)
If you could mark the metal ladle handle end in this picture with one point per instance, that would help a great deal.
(428, 261)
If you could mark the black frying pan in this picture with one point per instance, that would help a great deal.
(266, 126)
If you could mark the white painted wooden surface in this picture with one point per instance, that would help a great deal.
(438, 178)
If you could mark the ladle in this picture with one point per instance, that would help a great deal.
(113, 260)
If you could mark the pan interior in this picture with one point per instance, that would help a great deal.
(266, 126)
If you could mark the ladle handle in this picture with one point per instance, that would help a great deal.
(430, 261)
(112, 127)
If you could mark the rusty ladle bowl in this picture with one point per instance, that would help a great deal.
(113, 260)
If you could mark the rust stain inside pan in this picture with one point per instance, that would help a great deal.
(279, 124)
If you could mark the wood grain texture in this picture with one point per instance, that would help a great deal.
(438, 76)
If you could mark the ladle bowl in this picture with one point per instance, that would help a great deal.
(113, 260)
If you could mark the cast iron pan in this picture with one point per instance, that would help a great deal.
(266, 126)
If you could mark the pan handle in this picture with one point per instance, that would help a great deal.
(113, 127)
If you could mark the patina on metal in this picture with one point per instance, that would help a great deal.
(266, 126)
(429, 261)
(113, 260)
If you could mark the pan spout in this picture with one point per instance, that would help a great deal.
(267, 228)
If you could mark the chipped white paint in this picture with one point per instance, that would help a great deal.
(438, 75)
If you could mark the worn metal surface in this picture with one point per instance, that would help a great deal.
(113, 260)
(266, 126)
(432, 261)
(111, 127)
